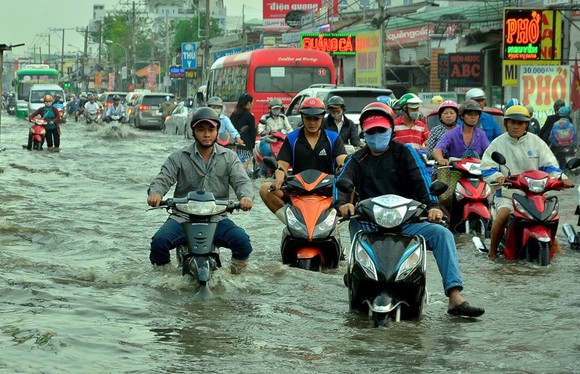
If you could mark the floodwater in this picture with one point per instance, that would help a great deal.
(77, 292)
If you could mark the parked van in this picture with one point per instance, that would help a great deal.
(37, 93)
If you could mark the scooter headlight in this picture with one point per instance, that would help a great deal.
(363, 258)
(201, 208)
(389, 217)
(297, 228)
(410, 262)
(324, 228)
(520, 208)
(536, 185)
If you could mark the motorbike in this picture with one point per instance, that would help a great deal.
(275, 139)
(11, 106)
(38, 132)
(470, 211)
(564, 154)
(386, 270)
(61, 112)
(200, 258)
(92, 116)
(534, 222)
(310, 239)
(226, 140)
(116, 121)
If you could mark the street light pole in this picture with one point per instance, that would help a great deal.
(4, 47)
(126, 54)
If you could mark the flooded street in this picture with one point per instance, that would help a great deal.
(78, 294)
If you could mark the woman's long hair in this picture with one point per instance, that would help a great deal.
(244, 99)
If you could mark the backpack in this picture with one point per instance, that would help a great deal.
(563, 133)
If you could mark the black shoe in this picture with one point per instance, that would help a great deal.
(26, 147)
(465, 310)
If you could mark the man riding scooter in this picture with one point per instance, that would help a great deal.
(115, 111)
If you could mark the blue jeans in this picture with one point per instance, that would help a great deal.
(171, 235)
(439, 240)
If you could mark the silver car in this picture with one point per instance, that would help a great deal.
(177, 122)
(146, 112)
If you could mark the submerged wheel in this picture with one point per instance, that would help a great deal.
(312, 264)
(543, 254)
(380, 319)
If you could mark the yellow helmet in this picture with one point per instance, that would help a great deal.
(436, 99)
(517, 113)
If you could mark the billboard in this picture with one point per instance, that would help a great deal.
(334, 44)
(532, 34)
(542, 85)
(369, 59)
(275, 11)
(465, 69)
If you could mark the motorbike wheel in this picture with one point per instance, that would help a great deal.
(543, 254)
(380, 319)
(312, 264)
(36, 145)
(479, 227)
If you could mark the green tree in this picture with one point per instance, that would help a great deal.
(187, 30)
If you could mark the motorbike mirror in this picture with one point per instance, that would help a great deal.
(270, 163)
(345, 185)
(573, 163)
(437, 188)
(498, 157)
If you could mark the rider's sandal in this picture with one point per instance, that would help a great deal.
(465, 310)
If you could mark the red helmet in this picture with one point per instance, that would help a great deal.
(448, 104)
(376, 109)
(313, 106)
(47, 98)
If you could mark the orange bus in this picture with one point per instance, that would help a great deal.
(267, 74)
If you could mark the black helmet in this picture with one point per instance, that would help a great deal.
(335, 102)
(116, 97)
(558, 104)
(469, 106)
(206, 114)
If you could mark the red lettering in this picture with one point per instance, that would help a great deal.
(528, 85)
(543, 85)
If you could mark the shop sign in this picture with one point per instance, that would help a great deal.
(541, 86)
(443, 66)
(532, 34)
(335, 44)
(176, 72)
(465, 69)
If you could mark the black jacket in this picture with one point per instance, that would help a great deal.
(348, 133)
(245, 123)
(399, 170)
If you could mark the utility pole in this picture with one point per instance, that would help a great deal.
(166, 77)
(206, 46)
(133, 43)
(62, 54)
(4, 47)
(86, 46)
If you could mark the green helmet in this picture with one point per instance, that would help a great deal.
(410, 100)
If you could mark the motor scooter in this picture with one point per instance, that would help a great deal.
(564, 154)
(310, 239)
(533, 224)
(275, 139)
(38, 132)
(61, 112)
(200, 257)
(469, 211)
(92, 116)
(11, 105)
(386, 270)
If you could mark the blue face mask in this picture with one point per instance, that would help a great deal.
(380, 141)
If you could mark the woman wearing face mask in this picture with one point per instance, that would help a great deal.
(409, 129)
(338, 122)
(274, 120)
(466, 140)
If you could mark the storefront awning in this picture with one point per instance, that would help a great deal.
(479, 47)
(143, 72)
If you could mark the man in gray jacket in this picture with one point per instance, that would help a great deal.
(207, 166)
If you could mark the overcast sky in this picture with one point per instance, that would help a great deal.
(24, 21)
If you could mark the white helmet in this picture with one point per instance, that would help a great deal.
(475, 94)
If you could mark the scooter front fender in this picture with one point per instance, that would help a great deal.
(476, 207)
(539, 233)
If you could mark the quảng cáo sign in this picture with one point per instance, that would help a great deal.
(336, 44)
